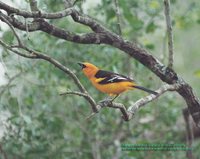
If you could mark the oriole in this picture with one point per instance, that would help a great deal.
(110, 82)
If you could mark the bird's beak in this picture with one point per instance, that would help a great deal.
(82, 65)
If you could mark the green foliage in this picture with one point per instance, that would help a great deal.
(8, 37)
(43, 124)
(197, 73)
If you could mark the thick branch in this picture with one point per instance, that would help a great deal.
(189, 135)
(61, 33)
(40, 24)
(34, 26)
(86, 20)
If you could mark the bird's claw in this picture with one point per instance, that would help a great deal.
(105, 102)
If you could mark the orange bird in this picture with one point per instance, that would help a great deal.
(109, 82)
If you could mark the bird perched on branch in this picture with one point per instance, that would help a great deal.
(110, 82)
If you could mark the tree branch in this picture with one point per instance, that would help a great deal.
(35, 12)
(74, 93)
(16, 51)
(34, 26)
(189, 135)
(169, 33)
(71, 74)
(128, 113)
(42, 25)
(86, 20)
(143, 101)
(12, 28)
(120, 106)
(36, 55)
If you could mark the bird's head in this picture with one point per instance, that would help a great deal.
(88, 69)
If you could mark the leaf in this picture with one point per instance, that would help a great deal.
(154, 4)
(150, 46)
(27, 119)
(8, 37)
(129, 15)
(198, 21)
(151, 27)
(197, 73)
(110, 14)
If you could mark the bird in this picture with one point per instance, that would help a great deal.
(108, 82)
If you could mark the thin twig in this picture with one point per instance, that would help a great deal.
(37, 55)
(3, 88)
(11, 48)
(74, 93)
(12, 28)
(90, 116)
(169, 32)
(143, 101)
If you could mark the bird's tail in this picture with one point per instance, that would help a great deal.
(145, 89)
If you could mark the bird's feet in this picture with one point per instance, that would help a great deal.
(105, 102)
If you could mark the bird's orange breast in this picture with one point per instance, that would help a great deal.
(112, 88)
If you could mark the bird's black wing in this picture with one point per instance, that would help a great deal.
(110, 77)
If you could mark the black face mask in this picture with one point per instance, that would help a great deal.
(82, 65)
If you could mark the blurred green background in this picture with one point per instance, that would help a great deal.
(36, 122)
